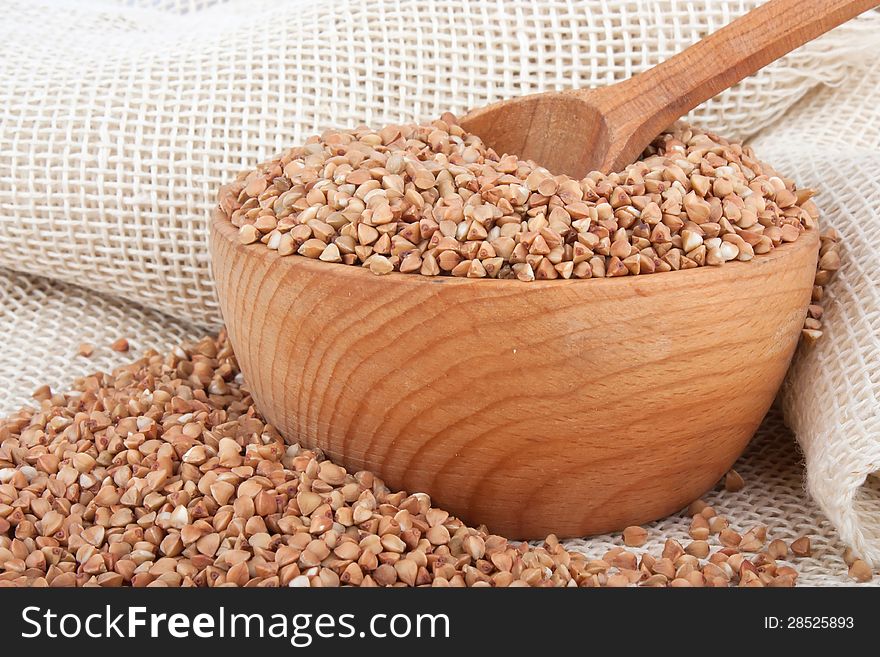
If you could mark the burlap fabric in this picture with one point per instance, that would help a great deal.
(118, 121)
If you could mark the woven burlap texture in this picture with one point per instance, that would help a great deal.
(119, 120)
(832, 394)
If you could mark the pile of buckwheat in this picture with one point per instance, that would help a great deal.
(163, 474)
(434, 200)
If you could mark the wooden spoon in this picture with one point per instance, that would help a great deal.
(582, 130)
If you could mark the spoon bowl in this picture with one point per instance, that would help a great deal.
(573, 134)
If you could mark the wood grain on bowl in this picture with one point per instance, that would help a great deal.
(568, 407)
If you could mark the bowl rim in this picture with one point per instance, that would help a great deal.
(221, 227)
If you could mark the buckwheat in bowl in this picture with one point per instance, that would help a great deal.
(534, 401)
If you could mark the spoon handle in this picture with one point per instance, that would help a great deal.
(651, 101)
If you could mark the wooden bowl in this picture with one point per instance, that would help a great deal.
(572, 407)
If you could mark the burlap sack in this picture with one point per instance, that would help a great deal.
(119, 120)
(832, 394)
